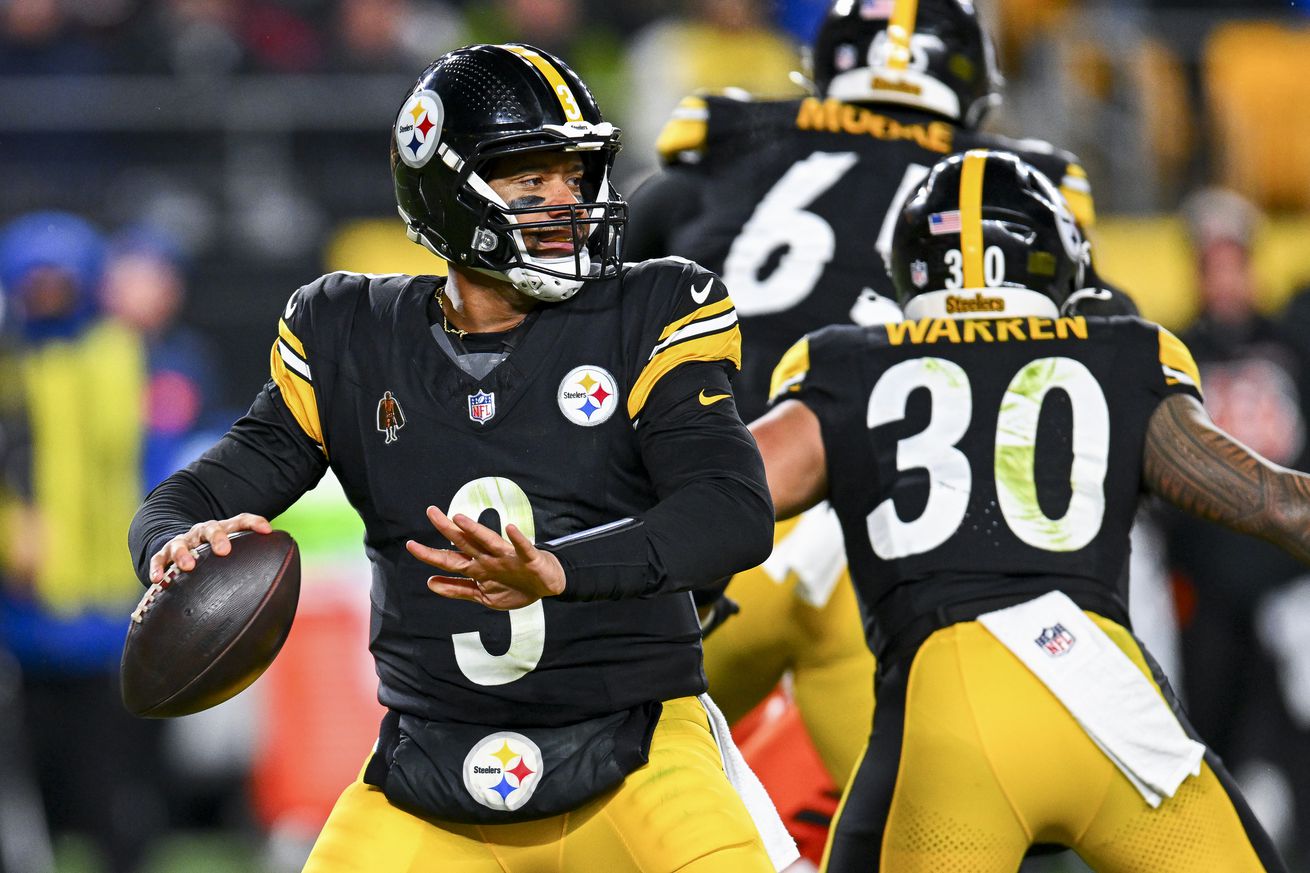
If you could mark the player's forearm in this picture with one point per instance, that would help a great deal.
(262, 465)
(1203, 471)
(691, 540)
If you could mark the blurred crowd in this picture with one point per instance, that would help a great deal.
(172, 169)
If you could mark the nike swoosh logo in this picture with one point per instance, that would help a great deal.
(291, 307)
(703, 294)
(710, 401)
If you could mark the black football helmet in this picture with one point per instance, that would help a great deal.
(930, 54)
(482, 102)
(987, 234)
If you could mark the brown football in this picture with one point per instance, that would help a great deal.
(206, 635)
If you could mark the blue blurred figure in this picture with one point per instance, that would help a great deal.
(73, 482)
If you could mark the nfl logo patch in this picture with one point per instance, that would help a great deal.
(482, 406)
(919, 273)
(1055, 640)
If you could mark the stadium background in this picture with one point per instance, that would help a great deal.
(251, 135)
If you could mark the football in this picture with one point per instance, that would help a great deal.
(198, 638)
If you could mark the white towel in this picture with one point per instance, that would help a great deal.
(779, 844)
(814, 551)
(1119, 708)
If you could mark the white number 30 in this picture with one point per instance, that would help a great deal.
(950, 479)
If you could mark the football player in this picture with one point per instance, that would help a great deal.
(581, 459)
(792, 202)
(985, 458)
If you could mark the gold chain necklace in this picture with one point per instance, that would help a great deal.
(445, 323)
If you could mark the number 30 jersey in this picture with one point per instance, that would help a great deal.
(793, 202)
(974, 458)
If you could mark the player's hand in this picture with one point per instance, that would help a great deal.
(181, 549)
(506, 572)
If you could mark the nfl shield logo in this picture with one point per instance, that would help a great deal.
(919, 273)
(1055, 640)
(482, 406)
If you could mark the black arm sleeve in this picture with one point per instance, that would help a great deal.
(667, 200)
(714, 517)
(262, 465)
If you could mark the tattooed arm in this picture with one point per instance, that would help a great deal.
(1202, 470)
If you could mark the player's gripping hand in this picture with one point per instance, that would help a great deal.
(501, 572)
(180, 550)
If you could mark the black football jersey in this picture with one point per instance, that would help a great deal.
(969, 458)
(795, 205)
(550, 440)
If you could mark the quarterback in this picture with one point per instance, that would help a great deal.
(554, 433)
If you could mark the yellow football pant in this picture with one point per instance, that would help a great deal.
(676, 813)
(824, 648)
(972, 759)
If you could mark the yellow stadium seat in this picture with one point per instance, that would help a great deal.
(1257, 81)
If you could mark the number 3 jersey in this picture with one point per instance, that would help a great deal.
(556, 438)
(792, 201)
(974, 459)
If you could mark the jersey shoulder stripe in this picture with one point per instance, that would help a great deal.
(1176, 361)
(323, 304)
(686, 315)
(791, 371)
(684, 134)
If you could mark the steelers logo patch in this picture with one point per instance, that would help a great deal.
(502, 771)
(588, 395)
(418, 128)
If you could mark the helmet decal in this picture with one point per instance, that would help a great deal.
(971, 230)
(563, 92)
(899, 30)
(418, 128)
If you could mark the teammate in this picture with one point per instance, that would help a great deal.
(792, 202)
(985, 457)
(577, 452)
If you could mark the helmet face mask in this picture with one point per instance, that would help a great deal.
(474, 106)
(931, 55)
(987, 235)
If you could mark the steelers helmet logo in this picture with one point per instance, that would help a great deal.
(503, 770)
(418, 128)
(588, 395)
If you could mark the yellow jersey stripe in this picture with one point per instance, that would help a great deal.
(722, 346)
(686, 130)
(298, 394)
(284, 331)
(791, 370)
(1177, 362)
(563, 92)
(899, 29)
(971, 241)
(704, 312)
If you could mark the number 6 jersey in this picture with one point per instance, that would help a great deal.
(970, 459)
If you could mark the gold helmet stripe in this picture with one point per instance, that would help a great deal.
(971, 236)
(899, 30)
(561, 88)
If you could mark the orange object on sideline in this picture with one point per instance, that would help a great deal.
(319, 710)
(773, 740)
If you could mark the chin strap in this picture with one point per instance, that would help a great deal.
(1071, 303)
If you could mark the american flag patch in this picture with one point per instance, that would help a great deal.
(944, 222)
(873, 10)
